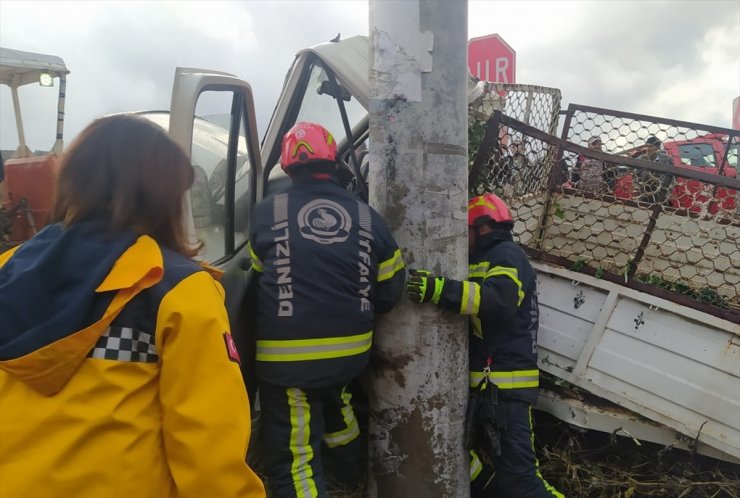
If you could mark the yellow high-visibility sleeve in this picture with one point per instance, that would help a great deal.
(205, 410)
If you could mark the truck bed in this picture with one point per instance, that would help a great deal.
(668, 363)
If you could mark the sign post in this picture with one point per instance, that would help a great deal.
(490, 58)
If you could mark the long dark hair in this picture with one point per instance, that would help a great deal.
(125, 172)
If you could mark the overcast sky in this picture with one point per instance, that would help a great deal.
(678, 59)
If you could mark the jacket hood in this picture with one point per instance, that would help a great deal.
(60, 291)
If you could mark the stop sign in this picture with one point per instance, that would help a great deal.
(490, 58)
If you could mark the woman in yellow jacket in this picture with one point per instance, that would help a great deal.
(118, 374)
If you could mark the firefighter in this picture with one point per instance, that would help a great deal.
(500, 297)
(118, 374)
(326, 263)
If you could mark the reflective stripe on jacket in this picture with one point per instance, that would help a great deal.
(500, 297)
(516, 379)
(313, 349)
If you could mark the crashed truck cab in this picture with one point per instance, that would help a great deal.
(212, 118)
(26, 192)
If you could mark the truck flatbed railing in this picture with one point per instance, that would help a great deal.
(668, 228)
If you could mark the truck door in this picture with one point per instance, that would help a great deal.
(212, 118)
(697, 155)
(704, 155)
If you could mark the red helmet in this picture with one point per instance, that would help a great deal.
(489, 206)
(306, 143)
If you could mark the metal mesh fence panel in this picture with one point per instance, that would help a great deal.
(608, 199)
(517, 164)
(690, 146)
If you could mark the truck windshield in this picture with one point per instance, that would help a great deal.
(698, 155)
(319, 104)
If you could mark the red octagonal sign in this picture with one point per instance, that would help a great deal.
(490, 58)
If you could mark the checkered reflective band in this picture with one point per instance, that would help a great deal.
(125, 344)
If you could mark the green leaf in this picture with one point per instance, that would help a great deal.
(599, 273)
(578, 264)
(559, 213)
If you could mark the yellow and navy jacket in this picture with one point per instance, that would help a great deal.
(500, 297)
(327, 262)
(118, 375)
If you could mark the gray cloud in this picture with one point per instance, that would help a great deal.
(665, 58)
(124, 59)
(628, 55)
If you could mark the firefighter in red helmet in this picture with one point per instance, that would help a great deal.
(326, 263)
(500, 297)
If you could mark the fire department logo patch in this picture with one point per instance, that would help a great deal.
(324, 221)
(231, 350)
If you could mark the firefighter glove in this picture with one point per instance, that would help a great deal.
(423, 287)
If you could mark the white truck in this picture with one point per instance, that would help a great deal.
(670, 373)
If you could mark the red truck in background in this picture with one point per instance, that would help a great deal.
(705, 153)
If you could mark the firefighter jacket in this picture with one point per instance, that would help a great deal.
(117, 373)
(500, 297)
(327, 263)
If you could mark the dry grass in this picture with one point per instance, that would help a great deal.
(592, 464)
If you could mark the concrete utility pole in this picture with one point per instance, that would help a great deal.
(418, 169)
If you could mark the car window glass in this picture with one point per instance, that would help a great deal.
(210, 158)
(732, 156)
(320, 106)
(698, 155)
(209, 153)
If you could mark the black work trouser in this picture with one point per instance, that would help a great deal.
(515, 471)
(296, 426)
